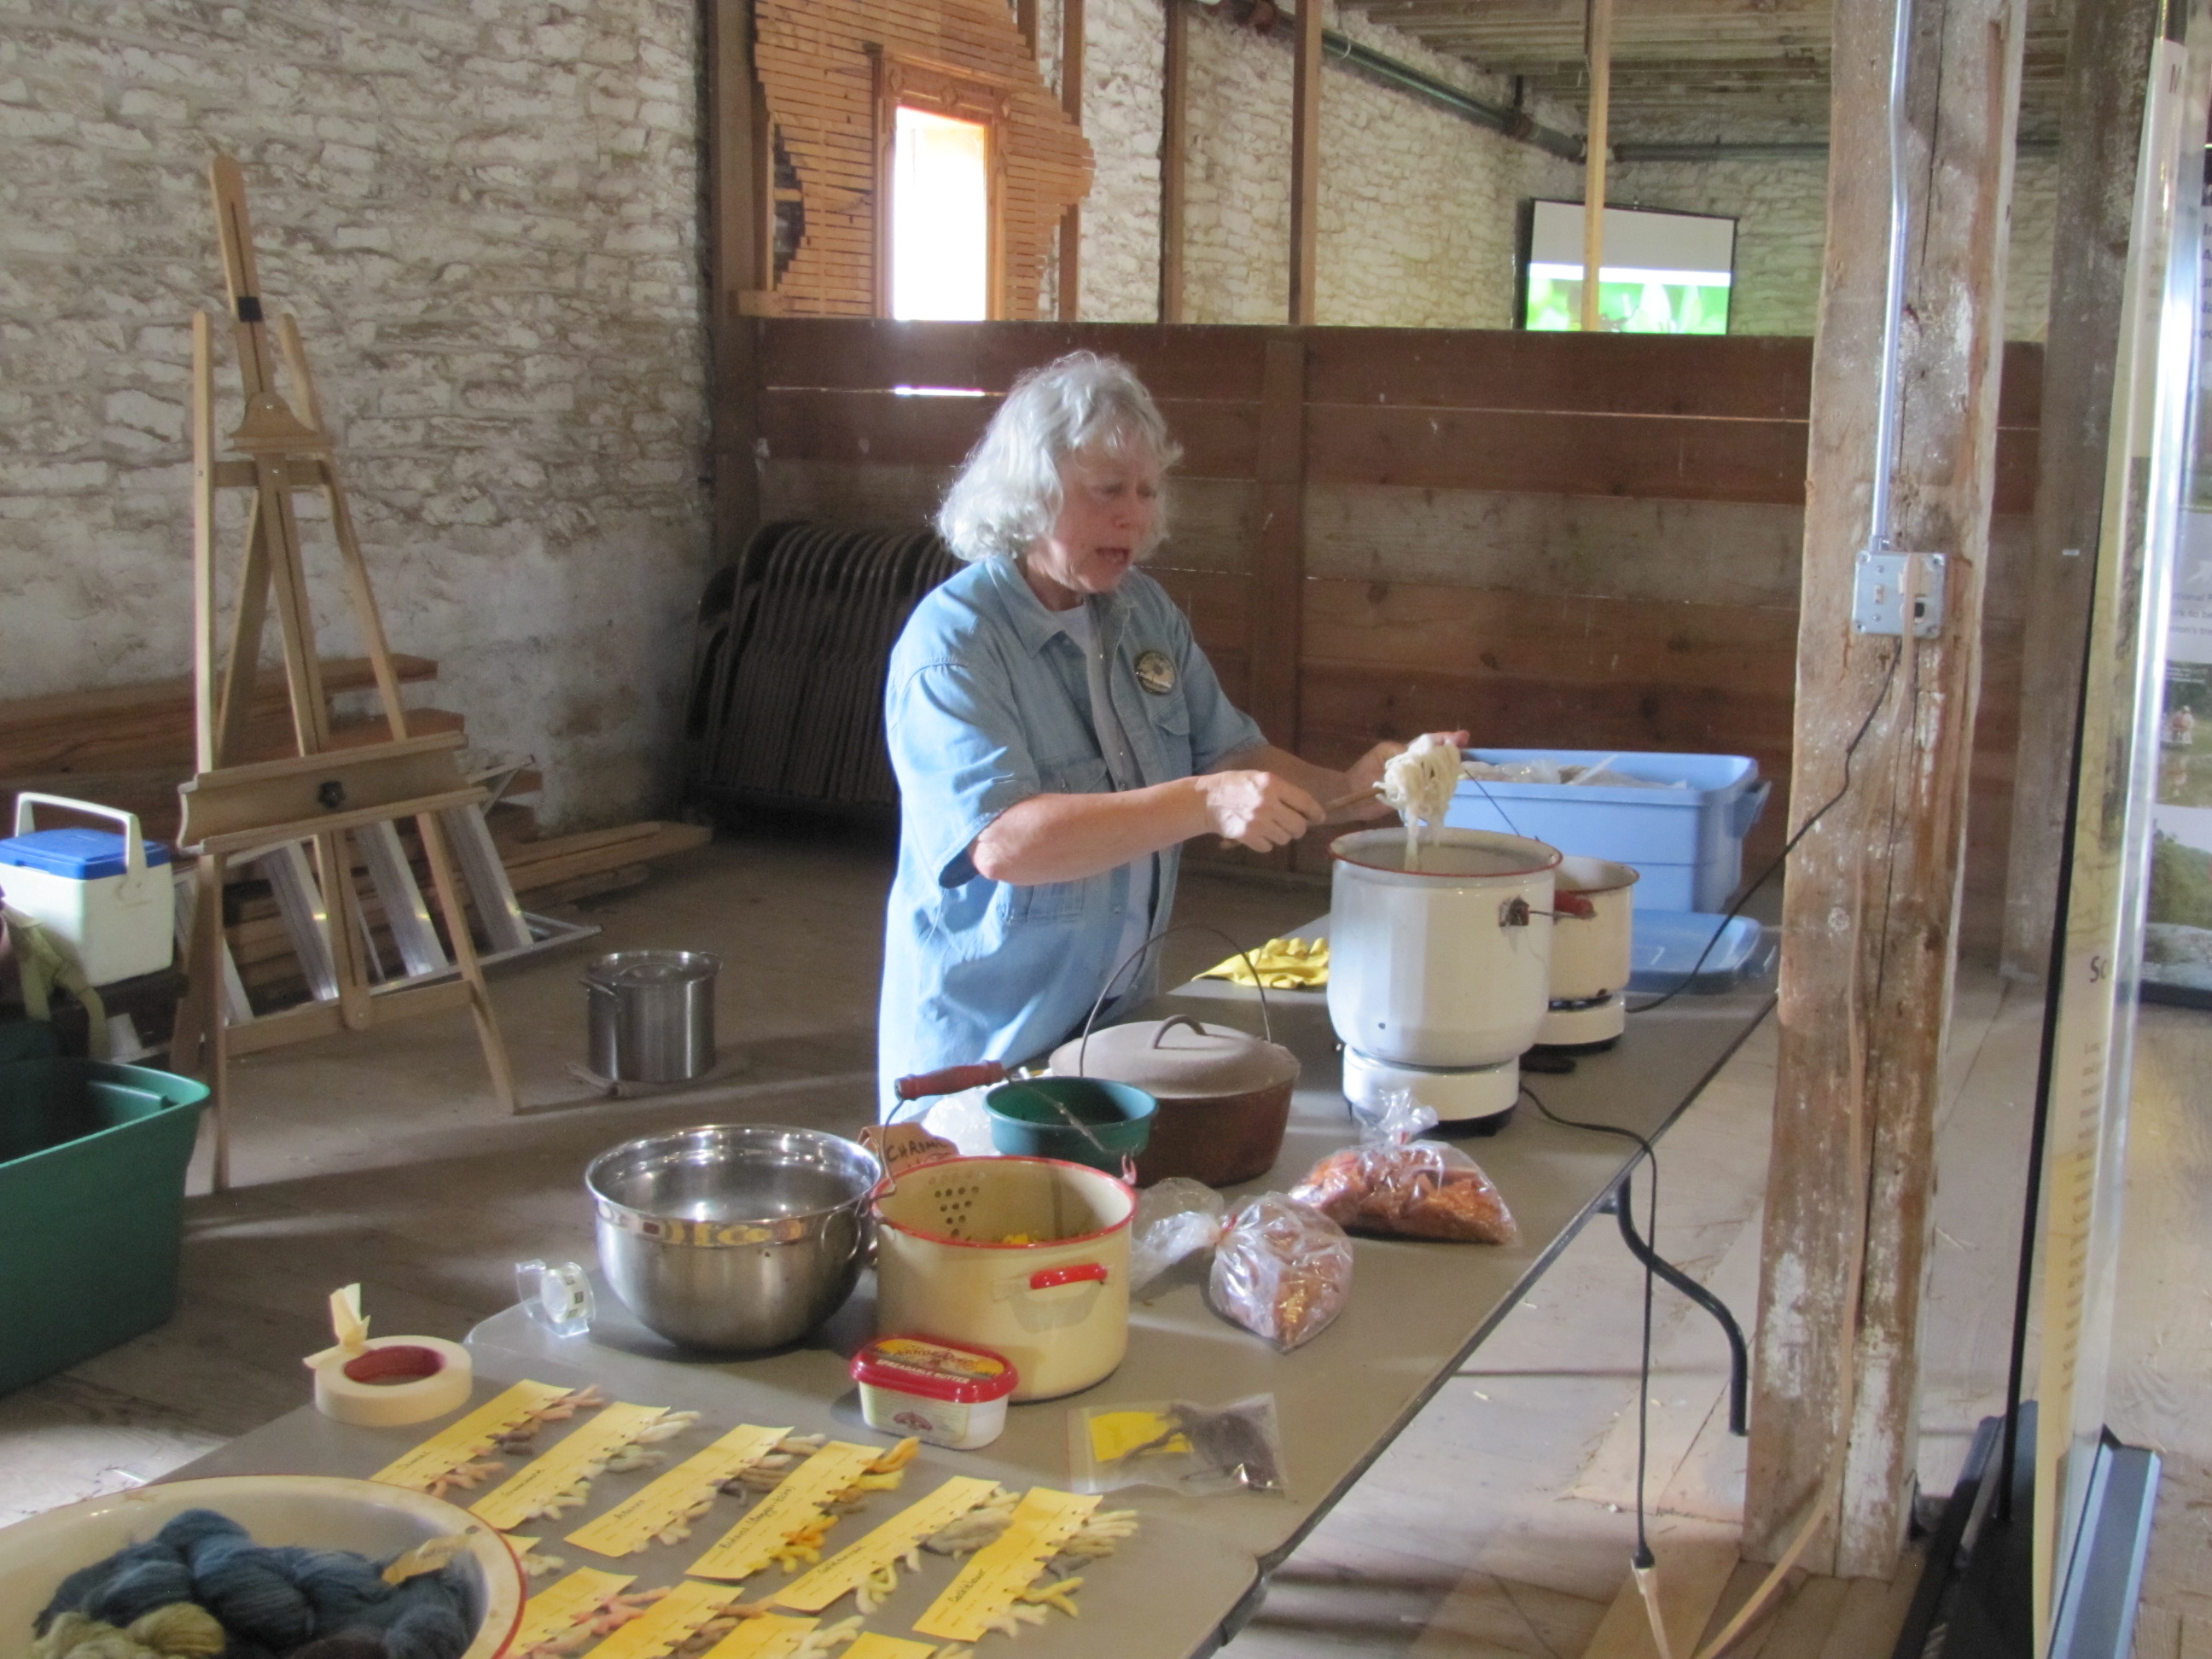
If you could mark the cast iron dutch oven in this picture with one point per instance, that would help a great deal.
(1224, 1096)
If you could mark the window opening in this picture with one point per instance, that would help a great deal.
(790, 206)
(1664, 273)
(941, 218)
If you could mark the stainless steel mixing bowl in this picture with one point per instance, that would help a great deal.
(733, 1237)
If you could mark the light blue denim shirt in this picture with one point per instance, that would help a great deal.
(987, 703)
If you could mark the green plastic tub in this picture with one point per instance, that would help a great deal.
(1078, 1120)
(92, 1195)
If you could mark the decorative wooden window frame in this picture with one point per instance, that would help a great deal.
(964, 95)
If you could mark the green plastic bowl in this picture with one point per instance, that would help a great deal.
(1029, 1118)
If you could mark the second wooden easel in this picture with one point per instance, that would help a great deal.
(233, 810)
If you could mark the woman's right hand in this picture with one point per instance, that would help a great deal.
(1259, 809)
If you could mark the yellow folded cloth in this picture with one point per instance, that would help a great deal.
(1284, 964)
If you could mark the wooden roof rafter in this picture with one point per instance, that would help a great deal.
(1752, 65)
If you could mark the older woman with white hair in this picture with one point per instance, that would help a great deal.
(1057, 734)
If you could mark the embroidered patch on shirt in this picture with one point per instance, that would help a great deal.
(1156, 672)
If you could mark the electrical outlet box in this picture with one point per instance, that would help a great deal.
(1893, 588)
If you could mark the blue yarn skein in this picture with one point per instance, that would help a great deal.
(428, 1630)
(237, 1581)
(139, 1589)
(342, 1588)
(75, 1591)
(187, 1528)
(273, 1600)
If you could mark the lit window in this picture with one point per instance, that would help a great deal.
(940, 219)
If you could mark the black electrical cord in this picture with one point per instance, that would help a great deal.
(1643, 1558)
(1626, 1195)
(1888, 679)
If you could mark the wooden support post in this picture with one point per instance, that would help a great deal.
(762, 272)
(1873, 896)
(1174, 113)
(1277, 615)
(1071, 99)
(1596, 151)
(2107, 64)
(204, 648)
(1305, 161)
(736, 223)
(1025, 19)
(208, 1044)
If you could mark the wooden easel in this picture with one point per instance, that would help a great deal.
(233, 810)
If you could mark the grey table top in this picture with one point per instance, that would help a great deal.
(1416, 1311)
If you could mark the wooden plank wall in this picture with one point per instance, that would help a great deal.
(1556, 540)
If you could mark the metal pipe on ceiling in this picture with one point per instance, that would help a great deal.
(1753, 149)
(1517, 123)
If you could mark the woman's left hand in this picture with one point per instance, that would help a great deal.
(1366, 773)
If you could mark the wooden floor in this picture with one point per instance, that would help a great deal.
(1500, 1523)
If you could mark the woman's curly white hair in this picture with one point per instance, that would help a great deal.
(1008, 492)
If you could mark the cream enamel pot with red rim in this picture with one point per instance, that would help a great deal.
(1439, 975)
(1025, 1257)
(1591, 956)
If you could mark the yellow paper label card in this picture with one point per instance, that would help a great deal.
(652, 1509)
(667, 1624)
(752, 1543)
(1003, 1569)
(849, 1567)
(1115, 1435)
(772, 1636)
(870, 1644)
(539, 1481)
(557, 1609)
(458, 1442)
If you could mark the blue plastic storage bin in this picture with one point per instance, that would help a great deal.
(1687, 842)
(1713, 953)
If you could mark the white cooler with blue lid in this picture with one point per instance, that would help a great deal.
(108, 900)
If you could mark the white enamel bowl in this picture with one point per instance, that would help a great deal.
(319, 1511)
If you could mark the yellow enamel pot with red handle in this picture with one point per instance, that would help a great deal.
(1026, 1256)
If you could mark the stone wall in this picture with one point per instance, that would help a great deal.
(1419, 207)
(1780, 206)
(1124, 43)
(486, 219)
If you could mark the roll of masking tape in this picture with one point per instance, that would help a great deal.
(393, 1381)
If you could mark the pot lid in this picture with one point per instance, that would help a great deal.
(1178, 1059)
(652, 967)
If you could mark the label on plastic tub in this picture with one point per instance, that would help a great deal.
(936, 1370)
